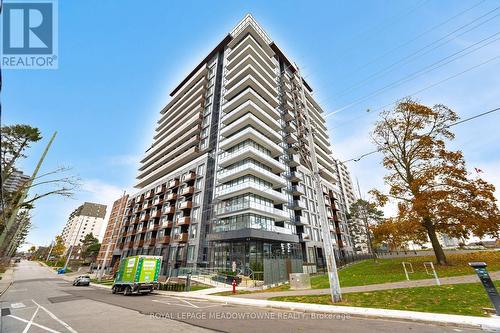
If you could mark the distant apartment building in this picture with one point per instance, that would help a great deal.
(228, 180)
(15, 181)
(86, 219)
(347, 198)
(112, 232)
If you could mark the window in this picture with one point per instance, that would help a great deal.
(190, 253)
(201, 169)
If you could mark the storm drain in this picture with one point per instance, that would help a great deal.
(67, 298)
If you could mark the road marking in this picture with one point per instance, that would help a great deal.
(194, 306)
(190, 305)
(35, 324)
(31, 320)
(17, 305)
(14, 290)
(53, 316)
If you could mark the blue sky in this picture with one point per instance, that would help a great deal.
(118, 61)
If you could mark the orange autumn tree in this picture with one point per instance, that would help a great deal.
(431, 183)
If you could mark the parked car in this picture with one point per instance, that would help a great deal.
(83, 280)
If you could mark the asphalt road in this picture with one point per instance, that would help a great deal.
(39, 301)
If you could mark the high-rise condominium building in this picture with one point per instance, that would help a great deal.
(346, 199)
(111, 234)
(227, 182)
(86, 219)
(15, 181)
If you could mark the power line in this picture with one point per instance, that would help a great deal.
(418, 73)
(414, 55)
(390, 51)
(377, 28)
(357, 159)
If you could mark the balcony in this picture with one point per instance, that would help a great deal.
(183, 220)
(291, 138)
(251, 187)
(157, 201)
(139, 243)
(251, 107)
(129, 244)
(295, 176)
(182, 237)
(149, 194)
(144, 217)
(251, 133)
(263, 90)
(250, 120)
(153, 227)
(189, 177)
(252, 207)
(292, 149)
(298, 190)
(171, 197)
(249, 94)
(160, 189)
(187, 191)
(227, 159)
(186, 205)
(173, 183)
(293, 160)
(288, 115)
(156, 213)
(303, 237)
(164, 240)
(139, 199)
(297, 205)
(240, 72)
(150, 242)
(299, 220)
(168, 210)
(250, 168)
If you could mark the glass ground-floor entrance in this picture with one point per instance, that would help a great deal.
(254, 257)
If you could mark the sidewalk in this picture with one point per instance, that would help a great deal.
(7, 279)
(373, 287)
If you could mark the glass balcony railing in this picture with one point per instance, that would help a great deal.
(279, 214)
(267, 226)
(255, 187)
(231, 157)
(275, 179)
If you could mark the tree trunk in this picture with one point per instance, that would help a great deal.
(438, 250)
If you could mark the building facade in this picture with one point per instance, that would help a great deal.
(15, 181)
(347, 197)
(112, 233)
(228, 180)
(86, 219)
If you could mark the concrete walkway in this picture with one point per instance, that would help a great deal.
(373, 287)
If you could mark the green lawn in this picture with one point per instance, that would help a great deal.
(390, 270)
(107, 282)
(461, 299)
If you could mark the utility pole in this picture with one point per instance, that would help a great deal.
(24, 194)
(331, 264)
(101, 270)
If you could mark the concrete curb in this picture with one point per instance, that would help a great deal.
(491, 324)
